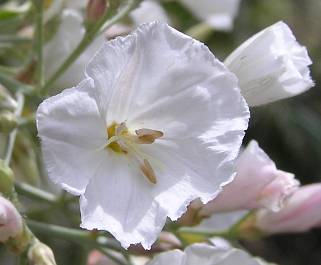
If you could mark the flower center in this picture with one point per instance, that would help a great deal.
(122, 141)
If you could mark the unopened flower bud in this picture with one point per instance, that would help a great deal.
(96, 9)
(168, 241)
(257, 184)
(6, 178)
(10, 220)
(40, 254)
(301, 213)
(271, 66)
(8, 121)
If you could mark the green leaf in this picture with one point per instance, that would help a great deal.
(8, 14)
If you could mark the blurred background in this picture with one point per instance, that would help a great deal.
(289, 130)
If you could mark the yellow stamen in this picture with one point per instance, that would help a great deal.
(121, 141)
(147, 136)
(148, 171)
(113, 132)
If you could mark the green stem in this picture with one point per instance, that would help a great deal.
(29, 120)
(35, 193)
(74, 235)
(8, 70)
(88, 38)
(13, 134)
(14, 39)
(201, 31)
(39, 42)
(111, 256)
(14, 85)
(201, 232)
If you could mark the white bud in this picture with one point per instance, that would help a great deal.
(41, 254)
(271, 66)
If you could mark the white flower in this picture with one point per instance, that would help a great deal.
(202, 254)
(271, 66)
(157, 123)
(217, 13)
(149, 11)
(62, 44)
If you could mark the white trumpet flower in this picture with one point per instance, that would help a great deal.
(157, 123)
(206, 255)
(149, 11)
(216, 13)
(271, 66)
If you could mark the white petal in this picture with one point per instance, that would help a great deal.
(71, 130)
(161, 79)
(271, 66)
(183, 71)
(217, 13)
(206, 255)
(176, 257)
(119, 199)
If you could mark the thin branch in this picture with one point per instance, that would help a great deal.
(75, 235)
(39, 42)
(35, 193)
(104, 22)
(13, 134)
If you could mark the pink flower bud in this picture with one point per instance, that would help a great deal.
(301, 212)
(10, 220)
(258, 183)
(96, 9)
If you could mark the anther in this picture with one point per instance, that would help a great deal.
(147, 136)
(148, 171)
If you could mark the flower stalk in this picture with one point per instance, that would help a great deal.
(35, 193)
(201, 31)
(103, 24)
(75, 235)
(13, 134)
(39, 42)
